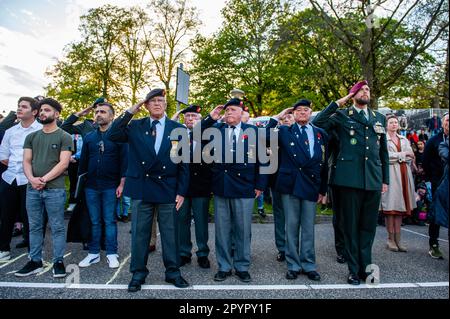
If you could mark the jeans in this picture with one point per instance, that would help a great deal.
(53, 201)
(123, 205)
(102, 204)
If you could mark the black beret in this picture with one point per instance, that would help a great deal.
(192, 109)
(236, 102)
(155, 92)
(302, 102)
(100, 100)
(52, 102)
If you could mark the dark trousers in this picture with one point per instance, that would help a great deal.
(73, 178)
(359, 211)
(433, 232)
(337, 223)
(141, 228)
(12, 201)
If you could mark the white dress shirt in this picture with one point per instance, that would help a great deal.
(11, 149)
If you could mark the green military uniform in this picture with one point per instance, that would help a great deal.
(361, 167)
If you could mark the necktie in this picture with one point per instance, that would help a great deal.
(363, 113)
(305, 140)
(153, 127)
(191, 146)
(153, 134)
(233, 141)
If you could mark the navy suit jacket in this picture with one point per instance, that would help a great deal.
(235, 180)
(298, 174)
(150, 177)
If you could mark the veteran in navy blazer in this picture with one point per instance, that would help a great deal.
(302, 181)
(154, 182)
(236, 182)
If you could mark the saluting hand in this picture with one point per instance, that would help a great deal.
(135, 108)
(384, 189)
(284, 113)
(215, 113)
(341, 102)
(257, 193)
(176, 115)
(86, 111)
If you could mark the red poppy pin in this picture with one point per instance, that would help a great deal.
(319, 136)
(198, 109)
(244, 137)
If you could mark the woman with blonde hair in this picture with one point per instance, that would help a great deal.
(398, 201)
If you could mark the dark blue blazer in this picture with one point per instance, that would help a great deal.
(235, 180)
(200, 177)
(299, 175)
(150, 177)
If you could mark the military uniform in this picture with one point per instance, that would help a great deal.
(362, 166)
(153, 181)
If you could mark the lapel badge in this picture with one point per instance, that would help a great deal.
(350, 112)
(353, 141)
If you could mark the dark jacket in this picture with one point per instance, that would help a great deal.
(298, 174)
(363, 159)
(432, 163)
(151, 177)
(105, 165)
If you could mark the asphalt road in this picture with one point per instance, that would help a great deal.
(411, 275)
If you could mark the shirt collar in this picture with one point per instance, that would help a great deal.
(162, 120)
(308, 125)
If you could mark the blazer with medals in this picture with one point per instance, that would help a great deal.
(236, 180)
(150, 177)
(298, 174)
(363, 159)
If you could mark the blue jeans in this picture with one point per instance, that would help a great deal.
(123, 205)
(102, 204)
(53, 201)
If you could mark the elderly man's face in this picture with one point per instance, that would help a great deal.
(156, 106)
(233, 115)
(302, 114)
(190, 119)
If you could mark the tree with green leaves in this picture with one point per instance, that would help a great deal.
(424, 20)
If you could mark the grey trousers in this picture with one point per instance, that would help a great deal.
(141, 225)
(278, 221)
(299, 214)
(233, 214)
(197, 207)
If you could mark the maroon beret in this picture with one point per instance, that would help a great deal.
(358, 86)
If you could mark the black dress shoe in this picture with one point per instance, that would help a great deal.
(262, 213)
(291, 275)
(134, 285)
(243, 276)
(340, 259)
(222, 275)
(203, 262)
(184, 260)
(353, 279)
(178, 282)
(281, 256)
(312, 275)
(23, 244)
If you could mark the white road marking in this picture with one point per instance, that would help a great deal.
(12, 260)
(118, 270)
(226, 287)
(411, 231)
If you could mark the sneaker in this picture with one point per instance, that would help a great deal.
(435, 252)
(32, 267)
(261, 212)
(89, 260)
(5, 255)
(113, 260)
(59, 271)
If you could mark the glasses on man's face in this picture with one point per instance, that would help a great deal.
(101, 147)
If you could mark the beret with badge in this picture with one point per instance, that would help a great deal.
(302, 102)
(100, 100)
(358, 86)
(192, 109)
(155, 92)
(236, 102)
